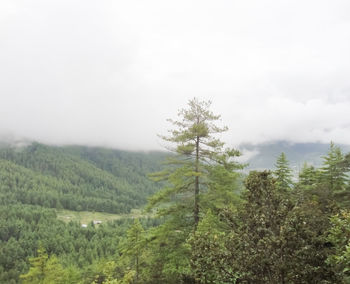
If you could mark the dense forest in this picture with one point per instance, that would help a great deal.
(211, 222)
(77, 178)
(36, 179)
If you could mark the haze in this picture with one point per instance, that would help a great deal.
(111, 72)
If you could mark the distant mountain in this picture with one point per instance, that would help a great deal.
(263, 156)
(77, 177)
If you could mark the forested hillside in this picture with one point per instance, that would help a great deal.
(77, 178)
(210, 222)
(36, 179)
(77, 254)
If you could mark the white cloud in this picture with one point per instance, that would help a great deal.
(111, 72)
(279, 118)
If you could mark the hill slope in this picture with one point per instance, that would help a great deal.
(77, 178)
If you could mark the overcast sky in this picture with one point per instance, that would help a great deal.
(111, 72)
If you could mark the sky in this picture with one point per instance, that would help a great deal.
(109, 72)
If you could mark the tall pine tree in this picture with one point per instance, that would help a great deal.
(133, 246)
(198, 155)
(199, 167)
(283, 173)
(333, 170)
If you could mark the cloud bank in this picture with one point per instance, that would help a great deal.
(111, 72)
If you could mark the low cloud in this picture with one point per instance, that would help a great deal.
(112, 73)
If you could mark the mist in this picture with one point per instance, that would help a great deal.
(109, 73)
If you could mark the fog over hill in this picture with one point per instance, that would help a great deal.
(263, 156)
(257, 156)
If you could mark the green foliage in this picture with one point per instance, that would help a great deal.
(283, 173)
(76, 178)
(308, 177)
(36, 272)
(333, 171)
(339, 237)
(47, 270)
(167, 254)
(330, 182)
(200, 176)
(259, 250)
(107, 274)
(133, 246)
(199, 154)
(208, 230)
(224, 184)
(23, 227)
(279, 239)
(210, 259)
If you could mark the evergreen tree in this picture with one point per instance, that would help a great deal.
(211, 260)
(277, 239)
(47, 270)
(36, 273)
(334, 177)
(308, 176)
(133, 245)
(333, 171)
(339, 235)
(107, 274)
(197, 151)
(283, 173)
(200, 167)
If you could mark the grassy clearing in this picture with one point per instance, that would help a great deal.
(85, 217)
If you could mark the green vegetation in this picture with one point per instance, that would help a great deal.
(283, 173)
(210, 222)
(200, 176)
(77, 178)
(37, 179)
(25, 228)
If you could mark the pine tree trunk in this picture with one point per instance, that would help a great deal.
(137, 269)
(196, 187)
